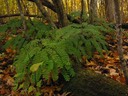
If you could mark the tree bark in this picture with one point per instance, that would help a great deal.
(82, 9)
(53, 8)
(93, 11)
(109, 10)
(44, 12)
(62, 17)
(47, 4)
(22, 15)
(119, 41)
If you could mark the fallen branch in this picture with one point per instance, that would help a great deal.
(13, 15)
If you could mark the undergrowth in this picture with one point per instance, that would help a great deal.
(44, 53)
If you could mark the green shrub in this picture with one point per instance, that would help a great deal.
(35, 30)
(42, 58)
(46, 53)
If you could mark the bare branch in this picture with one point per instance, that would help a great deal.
(47, 4)
(14, 15)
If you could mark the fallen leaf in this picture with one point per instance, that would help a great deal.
(35, 67)
(10, 82)
(113, 72)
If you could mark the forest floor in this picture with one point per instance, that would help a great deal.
(108, 64)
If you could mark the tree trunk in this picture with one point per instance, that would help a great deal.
(109, 10)
(22, 15)
(119, 41)
(47, 4)
(93, 11)
(54, 9)
(88, 5)
(62, 17)
(102, 9)
(44, 12)
(82, 9)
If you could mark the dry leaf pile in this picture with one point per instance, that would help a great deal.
(109, 64)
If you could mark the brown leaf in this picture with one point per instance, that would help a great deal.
(2, 91)
(113, 72)
(9, 80)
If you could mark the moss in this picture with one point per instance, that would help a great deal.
(89, 83)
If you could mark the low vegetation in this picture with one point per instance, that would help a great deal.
(43, 53)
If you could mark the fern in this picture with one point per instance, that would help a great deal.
(18, 41)
(49, 50)
(54, 53)
(3, 28)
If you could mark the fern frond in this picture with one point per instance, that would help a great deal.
(55, 49)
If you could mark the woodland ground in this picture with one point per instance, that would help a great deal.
(108, 65)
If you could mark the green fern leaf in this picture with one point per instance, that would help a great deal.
(66, 75)
(97, 46)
